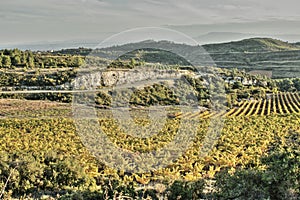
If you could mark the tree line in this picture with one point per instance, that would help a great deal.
(15, 58)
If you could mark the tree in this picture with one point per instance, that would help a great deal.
(237, 85)
(16, 52)
(286, 85)
(23, 59)
(234, 72)
(6, 61)
(133, 62)
(77, 62)
(16, 60)
(297, 83)
(6, 52)
(30, 61)
(42, 65)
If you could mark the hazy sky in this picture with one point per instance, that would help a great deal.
(24, 21)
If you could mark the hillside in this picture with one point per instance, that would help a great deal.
(246, 45)
(252, 45)
(279, 58)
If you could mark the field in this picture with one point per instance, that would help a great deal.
(279, 103)
(41, 151)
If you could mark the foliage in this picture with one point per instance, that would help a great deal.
(11, 59)
(288, 85)
(279, 179)
(243, 184)
(185, 190)
(283, 172)
(154, 95)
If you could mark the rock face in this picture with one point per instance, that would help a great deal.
(115, 77)
(109, 78)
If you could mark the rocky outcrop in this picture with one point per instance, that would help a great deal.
(116, 77)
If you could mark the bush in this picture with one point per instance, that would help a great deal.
(280, 179)
(283, 173)
(243, 184)
(28, 174)
(185, 190)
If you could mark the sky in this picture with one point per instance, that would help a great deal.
(36, 21)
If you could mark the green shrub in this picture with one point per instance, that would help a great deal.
(243, 184)
(185, 190)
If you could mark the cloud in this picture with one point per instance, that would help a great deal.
(33, 20)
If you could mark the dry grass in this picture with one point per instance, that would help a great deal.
(21, 108)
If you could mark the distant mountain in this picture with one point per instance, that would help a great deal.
(55, 45)
(205, 39)
(287, 30)
(252, 45)
(247, 45)
(221, 37)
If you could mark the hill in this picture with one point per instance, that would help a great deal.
(252, 45)
(279, 58)
(246, 45)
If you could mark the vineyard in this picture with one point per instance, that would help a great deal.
(41, 149)
(279, 103)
